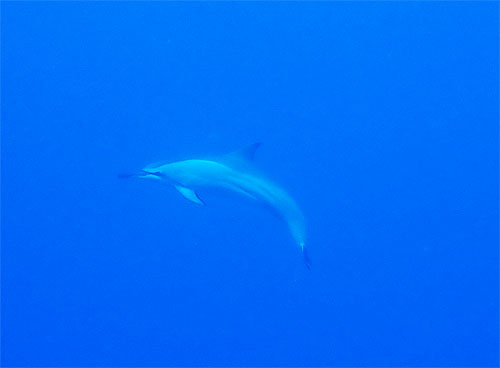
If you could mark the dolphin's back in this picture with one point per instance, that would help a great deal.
(206, 173)
(191, 175)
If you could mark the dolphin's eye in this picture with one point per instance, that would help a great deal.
(159, 174)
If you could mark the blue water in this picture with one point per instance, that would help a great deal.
(380, 119)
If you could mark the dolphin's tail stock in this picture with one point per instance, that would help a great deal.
(305, 254)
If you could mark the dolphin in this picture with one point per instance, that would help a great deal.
(233, 173)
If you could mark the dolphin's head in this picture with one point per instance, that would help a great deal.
(175, 172)
(154, 171)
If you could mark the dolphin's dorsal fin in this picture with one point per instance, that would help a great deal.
(189, 194)
(241, 158)
(247, 153)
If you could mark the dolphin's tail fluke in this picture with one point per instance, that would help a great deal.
(307, 260)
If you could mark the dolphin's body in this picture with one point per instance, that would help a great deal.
(228, 173)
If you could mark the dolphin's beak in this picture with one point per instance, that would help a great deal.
(126, 176)
(141, 174)
(150, 174)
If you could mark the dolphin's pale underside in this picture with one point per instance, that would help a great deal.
(231, 173)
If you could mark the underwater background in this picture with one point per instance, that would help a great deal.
(379, 118)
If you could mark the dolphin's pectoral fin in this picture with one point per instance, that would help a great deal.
(189, 194)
